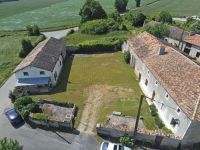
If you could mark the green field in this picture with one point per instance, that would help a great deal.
(16, 15)
(10, 44)
(175, 7)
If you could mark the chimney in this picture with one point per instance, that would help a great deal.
(161, 50)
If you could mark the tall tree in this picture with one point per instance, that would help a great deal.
(33, 30)
(165, 17)
(120, 5)
(137, 3)
(136, 18)
(26, 48)
(195, 27)
(9, 144)
(91, 10)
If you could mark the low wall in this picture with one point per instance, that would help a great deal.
(161, 142)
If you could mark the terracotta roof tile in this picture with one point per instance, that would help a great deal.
(193, 39)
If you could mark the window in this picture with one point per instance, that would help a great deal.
(42, 73)
(153, 95)
(187, 51)
(157, 83)
(167, 95)
(198, 54)
(115, 147)
(25, 73)
(175, 122)
(55, 75)
(146, 82)
(188, 45)
(60, 62)
(178, 110)
(140, 76)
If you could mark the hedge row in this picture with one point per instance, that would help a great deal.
(103, 45)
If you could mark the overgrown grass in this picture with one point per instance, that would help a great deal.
(10, 45)
(103, 69)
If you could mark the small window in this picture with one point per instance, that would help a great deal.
(42, 73)
(146, 82)
(175, 122)
(25, 73)
(60, 62)
(198, 54)
(178, 110)
(115, 147)
(167, 96)
(55, 75)
(157, 82)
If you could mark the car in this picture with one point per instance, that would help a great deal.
(13, 116)
(106, 145)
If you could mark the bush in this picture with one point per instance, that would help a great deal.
(127, 141)
(159, 122)
(9, 144)
(164, 17)
(12, 96)
(136, 18)
(153, 110)
(26, 48)
(100, 26)
(24, 105)
(127, 57)
(33, 30)
(120, 5)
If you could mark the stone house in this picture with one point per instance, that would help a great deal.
(171, 80)
(39, 71)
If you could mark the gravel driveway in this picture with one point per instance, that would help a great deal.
(58, 34)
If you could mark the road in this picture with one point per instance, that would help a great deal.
(38, 139)
(58, 34)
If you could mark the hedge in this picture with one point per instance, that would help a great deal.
(39, 116)
(103, 45)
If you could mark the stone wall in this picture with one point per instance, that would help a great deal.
(158, 141)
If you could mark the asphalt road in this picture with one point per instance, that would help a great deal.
(38, 139)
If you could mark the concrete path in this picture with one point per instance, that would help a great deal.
(58, 34)
(38, 139)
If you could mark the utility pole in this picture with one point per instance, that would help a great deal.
(138, 114)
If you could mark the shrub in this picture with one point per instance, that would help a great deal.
(164, 17)
(24, 105)
(127, 57)
(100, 26)
(136, 18)
(26, 48)
(120, 5)
(33, 30)
(153, 110)
(9, 144)
(127, 141)
(12, 96)
(159, 122)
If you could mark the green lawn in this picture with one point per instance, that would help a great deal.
(80, 73)
(52, 13)
(10, 44)
(175, 7)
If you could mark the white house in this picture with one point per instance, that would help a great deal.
(172, 80)
(191, 45)
(40, 70)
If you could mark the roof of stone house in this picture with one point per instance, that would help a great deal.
(193, 39)
(176, 73)
(44, 55)
(174, 32)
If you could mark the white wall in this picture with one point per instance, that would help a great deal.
(168, 110)
(172, 41)
(193, 51)
(35, 72)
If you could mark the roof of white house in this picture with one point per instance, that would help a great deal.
(176, 73)
(44, 55)
(193, 39)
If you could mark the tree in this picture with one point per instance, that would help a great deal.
(9, 144)
(120, 5)
(158, 30)
(127, 141)
(165, 17)
(26, 48)
(137, 3)
(115, 16)
(92, 10)
(136, 18)
(33, 30)
(195, 27)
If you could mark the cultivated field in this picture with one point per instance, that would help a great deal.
(10, 45)
(175, 7)
(16, 15)
(99, 84)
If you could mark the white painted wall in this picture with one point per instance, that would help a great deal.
(35, 72)
(172, 41)
(193, 51)
(169, 107)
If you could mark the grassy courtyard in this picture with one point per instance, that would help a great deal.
(10, 45)
(104, 77)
